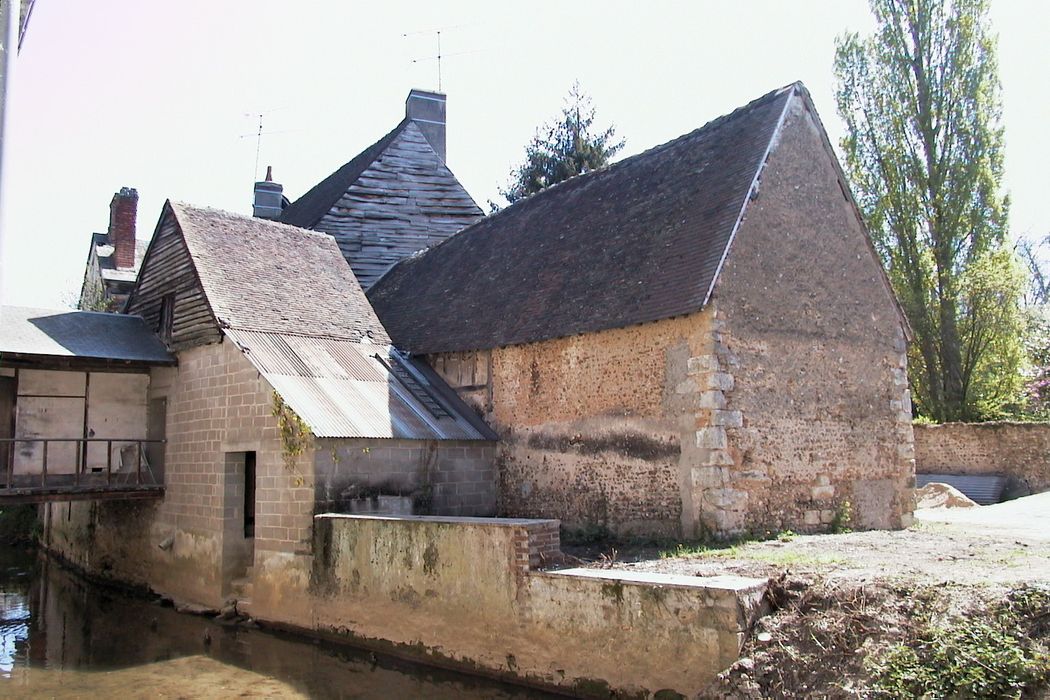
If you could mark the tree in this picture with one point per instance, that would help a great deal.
(1037, 335)
(563, 148)
(921, 102)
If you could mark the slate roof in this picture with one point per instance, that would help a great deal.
(93, 335)
(267, 276)
(638, 241)
(395, 198)
(308, 209)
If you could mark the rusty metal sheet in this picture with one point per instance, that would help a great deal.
(345, 389)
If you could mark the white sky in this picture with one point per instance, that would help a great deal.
(156, 95)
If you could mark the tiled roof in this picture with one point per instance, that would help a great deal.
(637, 241)
(78, 334)
(266, 276)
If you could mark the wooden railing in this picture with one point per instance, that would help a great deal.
(133, 468)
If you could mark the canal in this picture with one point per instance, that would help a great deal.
(63, 637)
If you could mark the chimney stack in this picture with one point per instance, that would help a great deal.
(122, 212)
(427, 110)
(269, 198)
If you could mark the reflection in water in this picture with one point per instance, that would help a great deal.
(63, 637)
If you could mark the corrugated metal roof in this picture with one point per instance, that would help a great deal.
(83, 334)
(981, 489)
(345, 389)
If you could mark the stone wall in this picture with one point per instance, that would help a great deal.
(447, 477)
(782, 405)
(809, 358)
(596, 429)
(466, 592)
(1018, 450)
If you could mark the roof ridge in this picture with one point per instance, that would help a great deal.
(237, 215)
(637, 241)
(606, 169)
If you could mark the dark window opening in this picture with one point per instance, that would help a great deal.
(249, 494)
(166, 318)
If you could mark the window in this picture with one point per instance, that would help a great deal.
(166, 318)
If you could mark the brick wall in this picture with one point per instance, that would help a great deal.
(448, 477)
(1019, 450)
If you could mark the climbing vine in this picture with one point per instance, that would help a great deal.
(296, 437)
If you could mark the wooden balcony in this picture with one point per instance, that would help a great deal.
(127, 473)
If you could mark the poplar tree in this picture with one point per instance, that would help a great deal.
(565, 147)
(923, 147)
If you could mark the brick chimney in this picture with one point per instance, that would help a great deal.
(269, 197)
(427, 110)
(122, 211)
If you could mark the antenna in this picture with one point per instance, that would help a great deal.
(439, 55)
(259, 133)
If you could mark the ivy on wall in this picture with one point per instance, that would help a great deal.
(296, 437)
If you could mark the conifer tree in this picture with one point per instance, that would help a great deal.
(563, 148)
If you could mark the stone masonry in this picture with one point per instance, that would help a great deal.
(1017, 450)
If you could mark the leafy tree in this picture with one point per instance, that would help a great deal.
(921, 102)
(1037, 335)
(563, 148)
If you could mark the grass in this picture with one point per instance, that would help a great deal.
(741, 551)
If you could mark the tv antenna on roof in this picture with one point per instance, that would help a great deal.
(439, 55)
(259, 133)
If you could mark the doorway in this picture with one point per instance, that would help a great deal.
(249, 495)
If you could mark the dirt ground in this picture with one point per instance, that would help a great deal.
(843, 602)
(1001, 544)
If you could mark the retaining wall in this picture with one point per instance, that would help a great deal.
(468, 592)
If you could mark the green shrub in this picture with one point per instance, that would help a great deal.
(966, 658)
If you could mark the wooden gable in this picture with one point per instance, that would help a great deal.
(404, 201)
(169, 290)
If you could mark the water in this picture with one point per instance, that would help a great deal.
(63, 637)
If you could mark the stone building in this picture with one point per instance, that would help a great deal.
(698, 339)
(114, 257)
(286, 401)
(393, 199)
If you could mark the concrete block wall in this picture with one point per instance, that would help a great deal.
(217, 405)
(446, 477)
(1017, 450)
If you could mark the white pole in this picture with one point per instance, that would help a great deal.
(9, 10)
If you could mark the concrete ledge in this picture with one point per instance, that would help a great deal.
(449, 519)
(733, 584)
